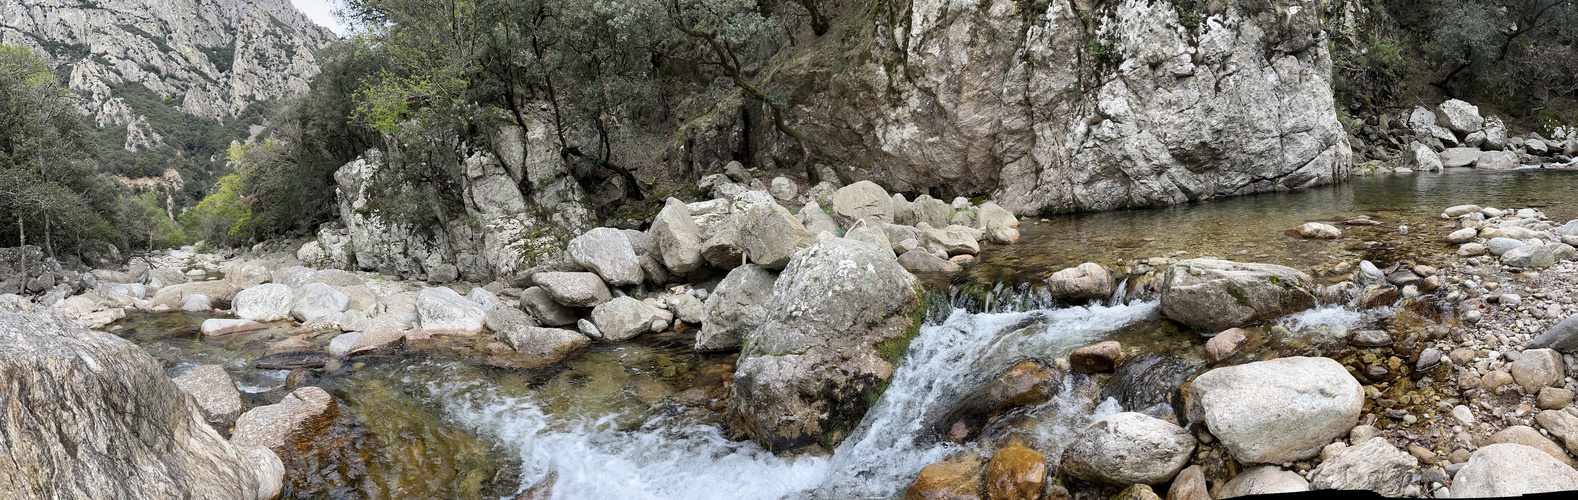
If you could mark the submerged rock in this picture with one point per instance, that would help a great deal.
(1279, 410)
(1025, 384)
(812, 368)
(1016, 473)
(1219, 294)
(133, 433)
(1128, 448)
(951, 480)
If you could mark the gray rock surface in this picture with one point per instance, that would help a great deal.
(1263, 480)
(811, 368)
(676, 239)
(1459, 157)
(1218, 294)
(111, 393)
(1280, 410)
(921, 261)
(1509, 470)
(770, 234)
(863, 200)
(218, 326)
(1088, 281)
(1497, 160)
(1374, 465)
(574, 289)
(219, 293)
(623, 318)
(1421, 158)
(442, 311)
(545, 310)
(1128, 448)
(1459, 116)
(318, 302)
(215, 394)
(268, 302)
(735, 309)
(1563, 337)
(553, 344)
(607, 252)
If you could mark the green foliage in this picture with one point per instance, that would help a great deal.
(223, 217)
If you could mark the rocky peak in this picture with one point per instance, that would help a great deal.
(208, 58)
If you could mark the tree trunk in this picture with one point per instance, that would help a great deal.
(48, 242)
(21, 230)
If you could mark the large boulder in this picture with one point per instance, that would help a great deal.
(1374, 465)
(442, 311)
(1459, 116)
(607, 252)
(735, 308)
(623, 318)
(1219, 294)
(541, 306)
(318, 302)
(306, 429)
(250, 273)
(770, 234)
(1420, 157)
(1263, 480)
(676, 239)
(215, 393)
(1279, 410)
(574, 289)
(1128, 448)
(552, 344)
(219, 293)
(1459, 157)
(86, 414)
(1562, 337)
(1088, 281)
(863, 200)
(1000, 225)
(1497, 160)
(270, 302)
(811, 369)
(1027, 383)
(1509, 470)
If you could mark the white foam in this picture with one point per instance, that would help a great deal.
(1330, 321)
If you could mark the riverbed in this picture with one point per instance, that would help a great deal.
(641, 419)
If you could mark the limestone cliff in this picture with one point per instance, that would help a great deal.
(209, 58)
(1064, 105)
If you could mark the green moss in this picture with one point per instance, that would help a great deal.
(1238, 295)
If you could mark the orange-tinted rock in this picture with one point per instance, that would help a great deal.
(1224, 344)
(1137, 492)
(1027, 383)
(1016, 473)
(947, 481)
(1189, 485)
(1098, 358)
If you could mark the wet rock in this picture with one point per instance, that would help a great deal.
(215, 393)
(1088, 281)
(623, 318)
(1218, 294)
(922, 262)
(132, 432)
(1402, 278)
(1016, 473)
(441, 311)
(1538, 368)
(770, 235)
(1137, 492)
(811, 369)
(1528, 436)
(1000, 225)
(217, 326)
(1026, 383)
(676, 239)
(1318, 231)
(1224, 345)
(1506, 470)
(735, 309)
(574, 289)
(318, 302)
(270, 302)
(220, 293)
(1189, 484)
(1128, 448)
(1375, 296)
(1097, 358)
(552, 344)
(1370, 338)
(607, 252)
(1471, 250)
(1464, 235)
(1279, 410)
(1263, 480)
(863, 200)
(947, 481)
(1428, 359)
(1374, 465)
(536, 302)
(1430, 284)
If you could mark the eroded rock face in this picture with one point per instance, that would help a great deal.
(124, 424)
(1243, 107)
(1220, 294)
(1279, 410)
(810, 369)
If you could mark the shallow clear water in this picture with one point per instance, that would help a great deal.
(454, 421)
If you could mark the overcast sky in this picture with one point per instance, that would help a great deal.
(321, 12)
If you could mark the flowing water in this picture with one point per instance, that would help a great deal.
(457, 420)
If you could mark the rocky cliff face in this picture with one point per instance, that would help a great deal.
(1080, 105)
(210, 58)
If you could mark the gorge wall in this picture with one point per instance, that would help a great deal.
(1067, 105)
